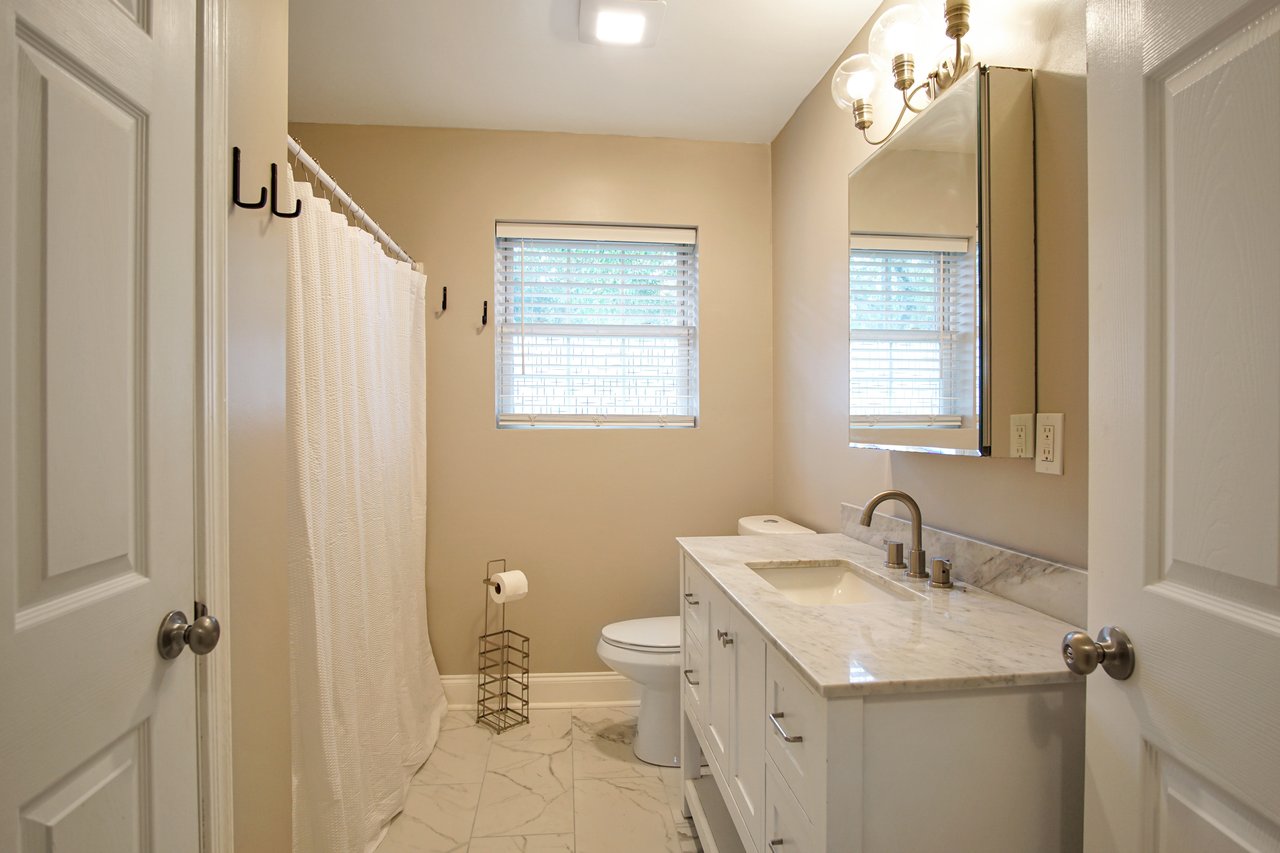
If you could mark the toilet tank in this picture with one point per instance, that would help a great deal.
(768, 525)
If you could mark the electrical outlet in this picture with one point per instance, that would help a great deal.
(1048, 450)
(1020, 429)
(1046, 443)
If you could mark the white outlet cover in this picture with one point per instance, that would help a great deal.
(1053, 464)
(1026, 448)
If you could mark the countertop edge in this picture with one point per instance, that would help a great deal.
(1037, 678)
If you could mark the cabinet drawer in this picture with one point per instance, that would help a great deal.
(795, 734)
(693, 603)
(693, 676)
(786, 826)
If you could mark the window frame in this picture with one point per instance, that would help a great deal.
(679, 303)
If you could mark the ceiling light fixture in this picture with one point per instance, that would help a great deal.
(614, 27)
(897, 38)
(627, 23)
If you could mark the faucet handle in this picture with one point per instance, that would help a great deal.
(941, 573)
(893, 555)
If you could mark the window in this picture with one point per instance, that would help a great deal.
(596, 326)
(912, 323)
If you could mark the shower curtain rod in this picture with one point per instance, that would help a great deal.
(340, 194)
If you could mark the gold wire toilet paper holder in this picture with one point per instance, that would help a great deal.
(502, 695)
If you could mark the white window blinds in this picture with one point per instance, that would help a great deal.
(596, 326)
(912, 325)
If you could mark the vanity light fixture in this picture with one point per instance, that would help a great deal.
(898, 37)
(626, 23)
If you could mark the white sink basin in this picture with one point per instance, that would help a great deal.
(831, 582)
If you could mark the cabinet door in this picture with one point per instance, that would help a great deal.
(718, 694)
(693, 677)
(746, 766)
(693, 603)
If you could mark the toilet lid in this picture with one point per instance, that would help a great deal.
(661, 633)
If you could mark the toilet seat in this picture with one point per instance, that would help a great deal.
(657, 635)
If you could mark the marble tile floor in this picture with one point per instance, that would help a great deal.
(567, 781)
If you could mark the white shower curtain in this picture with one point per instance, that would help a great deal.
(367, 699)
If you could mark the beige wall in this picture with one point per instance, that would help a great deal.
(590, 514)
(899, 194)
(999, 500)
(257, 627)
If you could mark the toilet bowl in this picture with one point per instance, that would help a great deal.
(648, 652)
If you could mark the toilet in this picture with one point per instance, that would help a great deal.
(648, 652)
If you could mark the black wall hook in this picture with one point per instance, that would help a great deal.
(484, 318)
(297, 204)
(235, 184)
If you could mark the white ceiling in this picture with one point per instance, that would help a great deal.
(732, 70)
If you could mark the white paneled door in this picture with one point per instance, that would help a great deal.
(97, 377)
(1184, 433)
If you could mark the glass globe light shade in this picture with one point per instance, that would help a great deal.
(855, 79)
(933, 14)
(934, 39)
(901, 30)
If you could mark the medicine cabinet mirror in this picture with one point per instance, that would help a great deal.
(942, 322)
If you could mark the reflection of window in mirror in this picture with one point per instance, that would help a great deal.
(912, 330)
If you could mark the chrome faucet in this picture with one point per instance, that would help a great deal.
(916, 559)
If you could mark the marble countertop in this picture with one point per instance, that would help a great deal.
(949, 639)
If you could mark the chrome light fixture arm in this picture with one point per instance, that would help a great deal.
(928, 87)
(862, 113)
(863, 127)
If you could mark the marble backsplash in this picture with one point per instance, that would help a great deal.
(1054, 589)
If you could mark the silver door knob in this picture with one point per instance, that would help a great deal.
(176, 633)
(1113, 650)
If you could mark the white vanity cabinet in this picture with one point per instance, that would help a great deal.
(993, 768)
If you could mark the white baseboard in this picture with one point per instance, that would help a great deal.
(554, 690)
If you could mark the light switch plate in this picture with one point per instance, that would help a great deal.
(1021, 436)
(1048, 443)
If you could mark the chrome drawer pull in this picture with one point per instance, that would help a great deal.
(692, 683)
(690, 600)
(775, 843)
(786, 738)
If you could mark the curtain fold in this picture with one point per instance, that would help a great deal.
(366, 694)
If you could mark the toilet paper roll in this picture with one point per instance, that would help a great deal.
(509, 586)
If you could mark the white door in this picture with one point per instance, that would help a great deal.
(97, 342)
(1184, 432)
